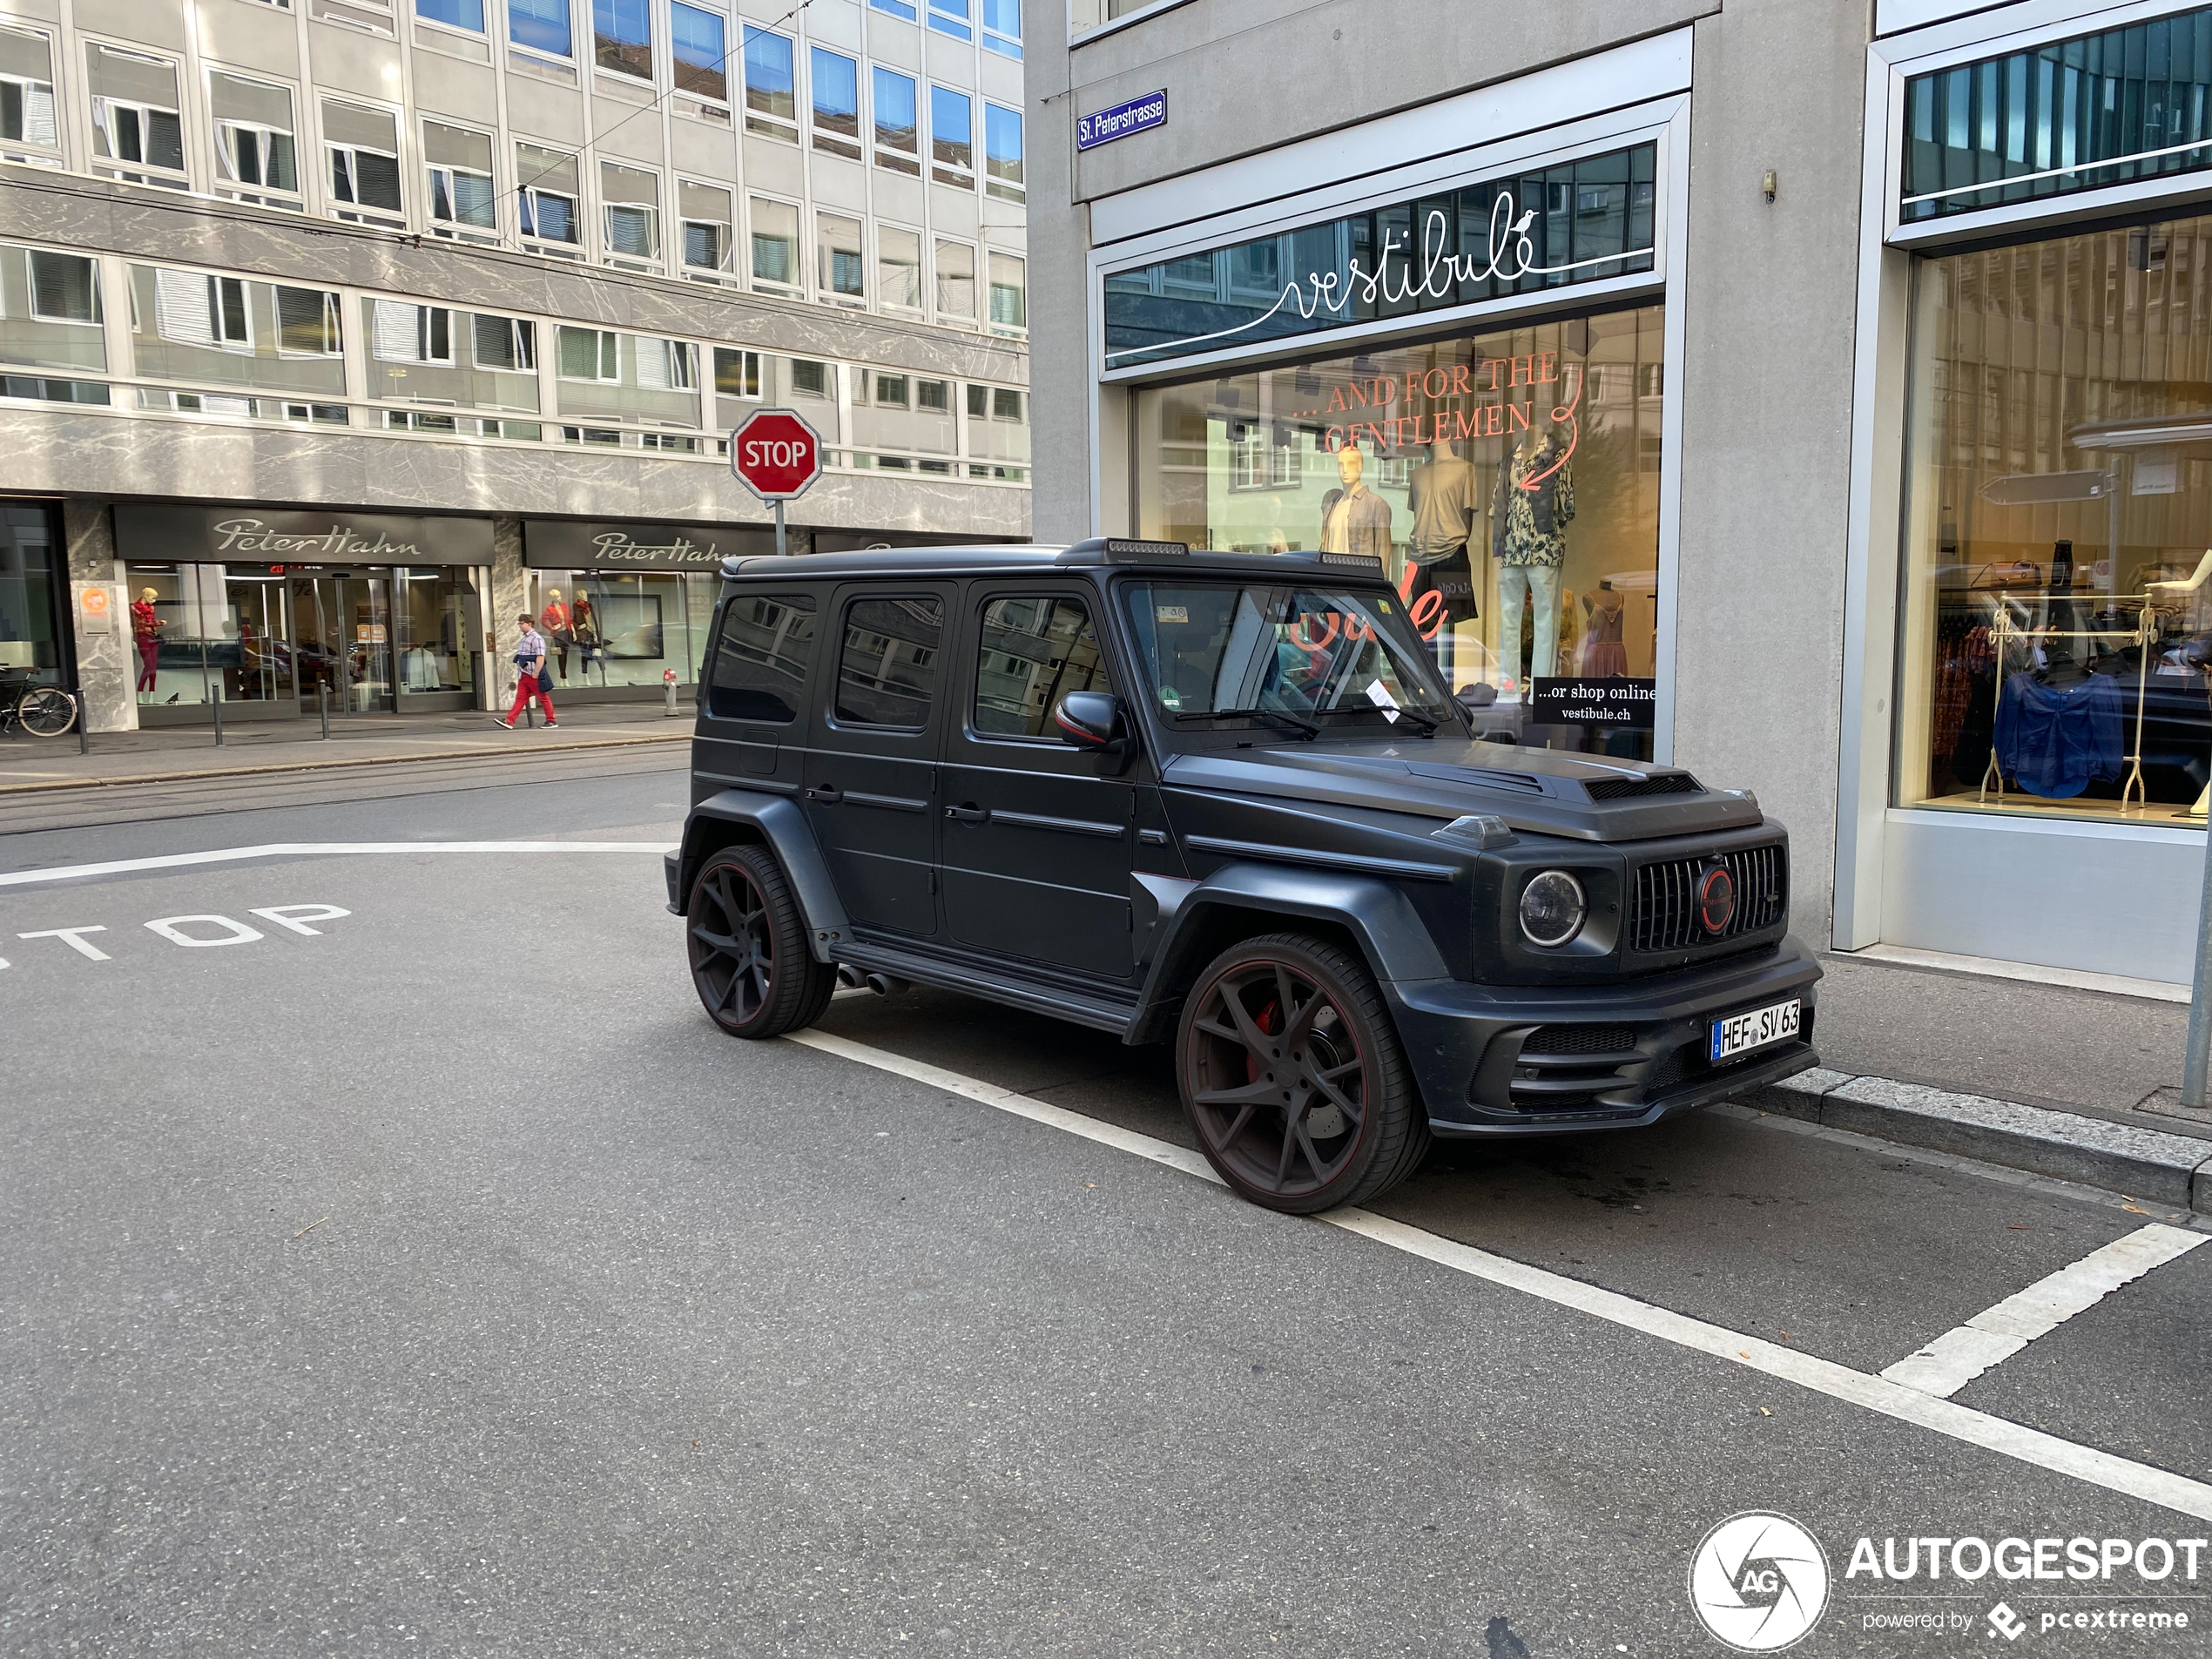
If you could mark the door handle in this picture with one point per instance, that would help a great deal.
(968, 814)
(828, 796)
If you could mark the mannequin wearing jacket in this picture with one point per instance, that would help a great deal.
(555, 620)
(146, 633)
(1353, 518)
(584, 622)
(1529, 513)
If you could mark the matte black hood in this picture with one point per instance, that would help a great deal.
(1541, 792)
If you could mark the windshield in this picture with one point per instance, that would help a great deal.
(1326, 656)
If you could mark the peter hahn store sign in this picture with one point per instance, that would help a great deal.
(560, 544)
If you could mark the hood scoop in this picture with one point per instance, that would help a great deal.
(1665, 783)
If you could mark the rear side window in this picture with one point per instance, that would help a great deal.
(1034, 651)
(886, 666)
(765, 653)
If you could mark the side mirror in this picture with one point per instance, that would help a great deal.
(1092, 721)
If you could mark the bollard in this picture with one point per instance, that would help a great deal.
(322, 706)
(83, 726)
(216, 704)
(667, 686)
(529, 711)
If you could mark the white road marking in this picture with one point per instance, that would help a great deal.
(320, 849)
(1956, 1358)
(73, 938)
(1877, 1394)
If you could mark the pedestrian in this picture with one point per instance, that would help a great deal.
(530, 682)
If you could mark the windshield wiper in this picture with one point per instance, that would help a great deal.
(1307, 729)
(1428, 723)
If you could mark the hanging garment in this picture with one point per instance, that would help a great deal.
(2052, 742)
(1603, 655)
(1453, 577)
(1530, 525)
(1442, 496)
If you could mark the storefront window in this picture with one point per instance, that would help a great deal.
(434, 642)
(2057, 614)
(1508, 480)
(31, 589)
(203, 631)
(605, 629)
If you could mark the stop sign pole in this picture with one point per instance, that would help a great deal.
(776, 455)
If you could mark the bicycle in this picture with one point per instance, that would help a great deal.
(42, 710)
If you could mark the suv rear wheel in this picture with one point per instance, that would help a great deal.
(748, 948)
(1294, 1079)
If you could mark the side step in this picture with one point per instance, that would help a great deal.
(1102, 1010)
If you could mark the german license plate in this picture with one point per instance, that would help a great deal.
(1736, 1034)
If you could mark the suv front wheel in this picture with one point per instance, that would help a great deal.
(1294, 1079)
(747, 942)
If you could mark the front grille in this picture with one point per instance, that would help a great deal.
(1673, 783)
(1580, 1039)
(1665, 915)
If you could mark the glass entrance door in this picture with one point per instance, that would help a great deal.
(342, 640)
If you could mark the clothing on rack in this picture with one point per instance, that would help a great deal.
(2053, 743)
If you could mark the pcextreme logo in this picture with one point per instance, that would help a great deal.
(1759, 1581)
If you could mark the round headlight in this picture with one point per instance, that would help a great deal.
(1552, 909)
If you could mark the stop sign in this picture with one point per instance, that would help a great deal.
(775, 454)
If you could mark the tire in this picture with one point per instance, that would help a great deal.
(746, 940)
(46, 712)
(1299, 1126)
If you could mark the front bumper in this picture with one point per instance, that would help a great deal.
(1507, 1060)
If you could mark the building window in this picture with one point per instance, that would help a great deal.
(950, 17)
(898, 268)
(2051, 660)
(548, 193)
(1002, 152)
(254, 146)
(1003, 27)
(897, 143)
(134, 116)
(956, 282)
(894, 8)
(952, 137)
(775, 244)
(454, 14)
(707, 240)
(622, 37)
(307, 323)
(27, 88)
(1009, 295)
(507, 345)
(736, 374)
(810, 379)
(632, 203)
(589, 354)
(542, 25)
(363, 148)
(63, 287)
(836, 87)
(695, 41)
(406, 333)
(192, 309)
(667, 365)
(461, 183)
(771, 95)
(837, 274)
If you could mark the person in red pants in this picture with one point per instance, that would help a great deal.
(530, 660)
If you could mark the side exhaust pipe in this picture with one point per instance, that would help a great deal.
(884, 985)
(849, 976)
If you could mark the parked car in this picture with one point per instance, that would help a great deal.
(1224, 801)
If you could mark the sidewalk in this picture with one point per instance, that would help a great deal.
(173, 752)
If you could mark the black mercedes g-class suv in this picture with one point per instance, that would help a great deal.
(1227, 799)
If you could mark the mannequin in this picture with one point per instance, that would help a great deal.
(1604, 656)
(1353, 518)
(1442, 496)
(555, 620)
(1529, 515)
(146, 632)
(585, 623)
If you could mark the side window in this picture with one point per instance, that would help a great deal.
(760, 666)
(1034, 652)
(886, 666)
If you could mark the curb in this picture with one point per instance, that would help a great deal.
(9, 790)
(2148, 1165)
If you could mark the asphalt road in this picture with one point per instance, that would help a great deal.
(440, 1281)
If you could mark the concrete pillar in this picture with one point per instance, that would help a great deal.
(509, 599)
(106, 658)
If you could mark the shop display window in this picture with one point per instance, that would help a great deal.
(1508, 480)
(605, 629)
(2057, 615)
(33, 587)
(198, 631)
(433, 643)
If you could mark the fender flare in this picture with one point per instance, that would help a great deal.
(1389, 931)
(783, 827)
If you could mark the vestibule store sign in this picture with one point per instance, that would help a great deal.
(1554, 227)
(1625, 705)
(315, 536)
(1138, 115)
(561, 544)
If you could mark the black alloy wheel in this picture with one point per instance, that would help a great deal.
(1294, 1079)
(747, 943)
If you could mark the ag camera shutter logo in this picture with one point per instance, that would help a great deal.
(1759, 1581)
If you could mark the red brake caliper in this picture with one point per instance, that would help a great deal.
(1270, 1021)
